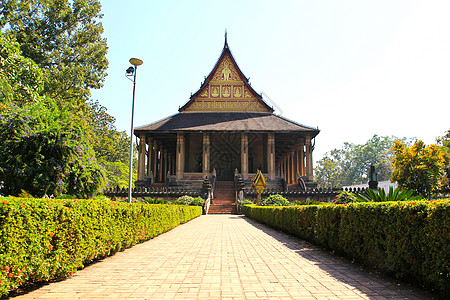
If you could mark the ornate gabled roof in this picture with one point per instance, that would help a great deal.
(226, 89)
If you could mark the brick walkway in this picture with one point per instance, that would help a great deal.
(224, 257)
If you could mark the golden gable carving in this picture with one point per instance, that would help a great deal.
(226, 91)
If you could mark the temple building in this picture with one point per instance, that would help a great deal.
(225, 128)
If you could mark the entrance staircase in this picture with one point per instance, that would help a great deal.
(224, 201)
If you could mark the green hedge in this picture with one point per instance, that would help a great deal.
(43, 239)
(410, 240)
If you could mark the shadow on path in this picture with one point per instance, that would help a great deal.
(342, 269)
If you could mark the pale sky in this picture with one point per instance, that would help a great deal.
(351, 68)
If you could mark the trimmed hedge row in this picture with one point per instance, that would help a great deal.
(43, 239)
(410, 240)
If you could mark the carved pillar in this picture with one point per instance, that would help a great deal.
(271, 155)
(141, 158)
(180, 155)
(244, 155)
(206, 154)
(309, 165)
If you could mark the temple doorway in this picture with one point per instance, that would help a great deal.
(225, 154)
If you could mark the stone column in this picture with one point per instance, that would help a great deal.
(309, 165)
(141, 158)
(149, 156)
(155, 161)
(286, 167)
(292, 161)
(161, 164)
(165, 163)
(180, 155)
(271, 155)
(244, 155)
(169, 167)
(206, 154)
(298, 169)
(302, 159)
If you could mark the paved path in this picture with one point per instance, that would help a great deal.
(224, 257)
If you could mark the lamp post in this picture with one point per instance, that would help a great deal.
(131, 72)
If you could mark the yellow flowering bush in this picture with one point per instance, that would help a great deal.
(420, 168)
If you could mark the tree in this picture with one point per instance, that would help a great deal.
(45, 148)
(111, 146)
(21, 79)
(328, 171)
(350, 164)
(64, 39)
(420, 168)
(45, 151)
(444, 141)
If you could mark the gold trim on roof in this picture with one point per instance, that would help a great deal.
(226, 91)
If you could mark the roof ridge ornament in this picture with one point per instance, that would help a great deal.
(226, 42)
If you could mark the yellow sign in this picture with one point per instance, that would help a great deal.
(259, 185)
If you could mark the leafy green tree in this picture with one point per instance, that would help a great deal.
(420, 168)
(21, 79)
(328, 171)
(64, 39)
(350, 164)
(444, 141)
(45, 151)
(45, 147)
(111, 146)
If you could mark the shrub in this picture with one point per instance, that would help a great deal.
(188, 200)
(44, 239)
(150, 200)
(247, 202)
(408, 239)
(345, 197)
(309, 202)
(275, 200)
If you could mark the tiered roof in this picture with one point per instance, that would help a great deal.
(226, 102)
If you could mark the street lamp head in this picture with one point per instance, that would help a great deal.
(130, 71)
(136, 61)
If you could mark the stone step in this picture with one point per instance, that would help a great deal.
(223, 202)
(223, 212)
(228, 209)
(224, 199)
